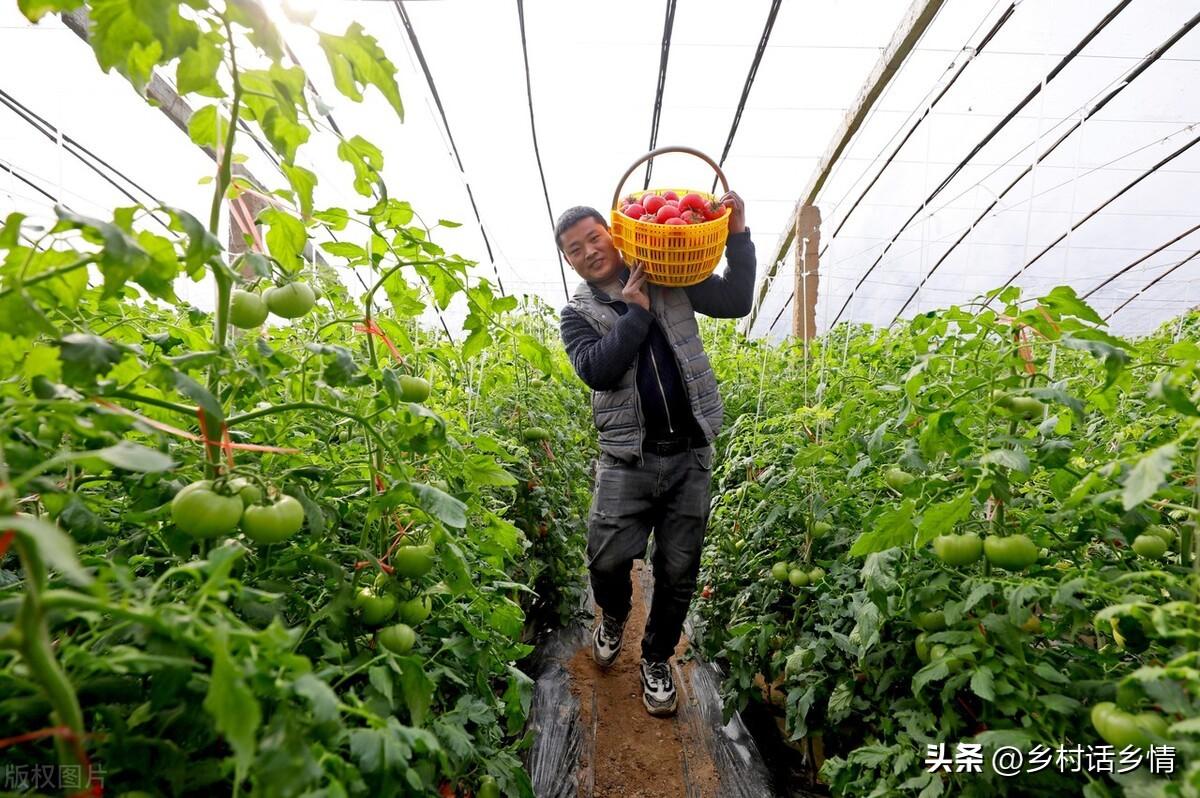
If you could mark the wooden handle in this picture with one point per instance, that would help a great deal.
(660, 151)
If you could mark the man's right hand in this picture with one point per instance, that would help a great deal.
(636, 291)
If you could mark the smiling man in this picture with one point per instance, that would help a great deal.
(657, 409)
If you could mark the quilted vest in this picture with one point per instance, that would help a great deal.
(618, 413)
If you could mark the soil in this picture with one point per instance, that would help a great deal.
(633, 754)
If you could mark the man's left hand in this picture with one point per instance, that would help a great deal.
(737, 216)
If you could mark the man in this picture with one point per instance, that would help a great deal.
(657, 409)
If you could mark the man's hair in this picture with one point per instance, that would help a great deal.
(573, 216)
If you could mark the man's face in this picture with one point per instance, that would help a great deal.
(590, 251)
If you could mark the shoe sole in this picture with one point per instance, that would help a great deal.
(596, 657)
(660, 711)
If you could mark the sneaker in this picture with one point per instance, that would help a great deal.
(658, 688)
(606, 640)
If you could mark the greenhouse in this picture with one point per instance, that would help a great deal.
(478, 398)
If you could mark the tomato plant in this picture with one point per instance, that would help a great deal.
(202, 503)
(987, 491)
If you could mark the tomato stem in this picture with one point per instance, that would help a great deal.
(38, 652)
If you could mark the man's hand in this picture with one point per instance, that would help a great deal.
(636, 292)
(737, 217)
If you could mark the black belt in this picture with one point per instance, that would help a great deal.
(673, 446)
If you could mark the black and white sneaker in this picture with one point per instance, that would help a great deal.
(606, 640)
(658, 688)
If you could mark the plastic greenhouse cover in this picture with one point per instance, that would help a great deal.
(593, 72)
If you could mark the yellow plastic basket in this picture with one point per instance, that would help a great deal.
(673, 255)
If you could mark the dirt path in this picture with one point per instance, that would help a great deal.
(633, 754)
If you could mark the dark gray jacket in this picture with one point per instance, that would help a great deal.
(650, 377)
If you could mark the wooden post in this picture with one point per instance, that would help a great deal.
(912, 27)
(808, 245)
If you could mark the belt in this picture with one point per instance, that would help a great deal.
(673, 446)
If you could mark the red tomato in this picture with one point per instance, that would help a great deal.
(649, 217)
(652, 203)
(668, 212)
(693, 217)
(674, 203)
(693, 202)
(674, 220)
(670, 195)
(635, 211)
(713, 210)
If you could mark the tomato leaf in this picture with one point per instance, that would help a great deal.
(356, 59)
(54, 545)
(1008, 458)
(518, 697)
(894, 527)
(983, 684)
(416, 687)
(1147, 475)
(322, 697)
(86, 357)
(442, 506)
(36, 9)
(303, 182)
(484, 470)
(134, 457)
(233, 706)
(941, 518)
(366, 160)
(285, 238)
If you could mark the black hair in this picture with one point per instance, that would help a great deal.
(573, 216)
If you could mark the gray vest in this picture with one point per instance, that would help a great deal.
(618, 413)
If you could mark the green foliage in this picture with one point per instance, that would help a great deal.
(806, 475)
(216, 666)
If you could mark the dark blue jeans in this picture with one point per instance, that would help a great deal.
(669, 494)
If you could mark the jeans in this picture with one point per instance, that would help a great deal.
(669, 494)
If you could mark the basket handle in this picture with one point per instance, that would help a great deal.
(660, 151)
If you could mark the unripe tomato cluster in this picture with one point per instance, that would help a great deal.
(668, 208)
(248, 310)
(793, 574)
(209, 509)
(398, 596)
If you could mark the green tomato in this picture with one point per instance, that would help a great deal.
(938, 651)
(897, 478)
(488, 788)
(779, 571)
(415, 610)
(247, 310)
(414, 389)
(413, 561)
(272, 523)
(291, 301)
(1160, 531)
(1154, 723)
(922, 646)
(816, 574)
(958, 550)
(533, 434)
(1014, 553)
(249, 492)
(1122, 729)
(1026, 407)
(931, 621)
(797, 577)
(820, 529)
(398, 638)
(1152, 547)
(201, 512)
(1002, 398)
(374, 609)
